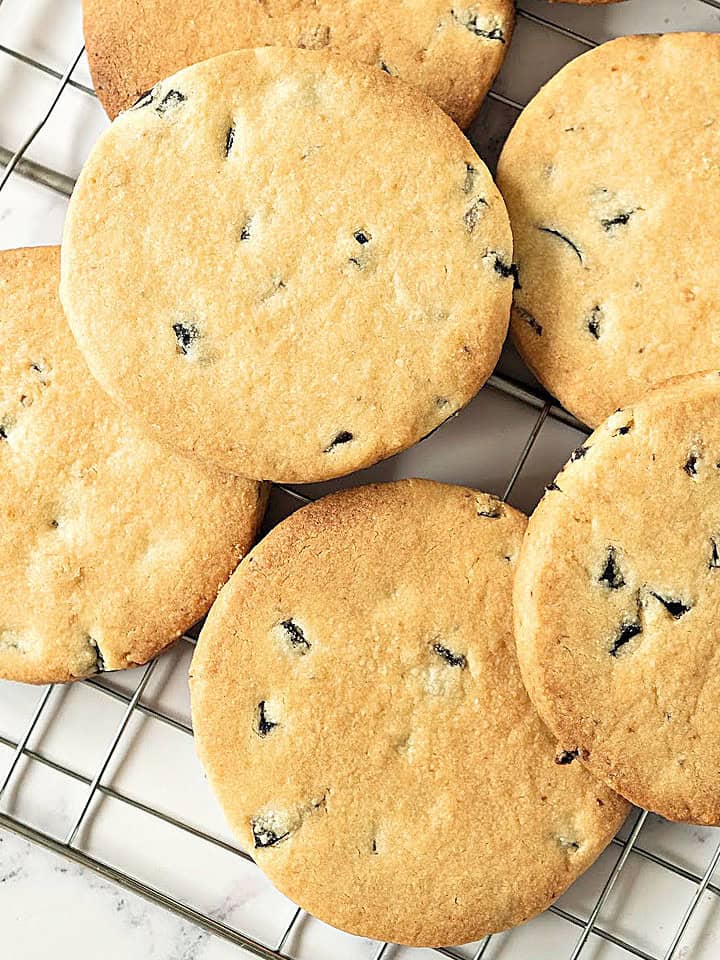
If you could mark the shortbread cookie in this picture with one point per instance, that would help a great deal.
(358, 708)
(611, 179)
(288, 265)
(616, 602)
(111, 545)
(451, 51)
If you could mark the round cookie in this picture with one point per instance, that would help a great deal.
(359, 712)
(451, 51)
(112, 546)
(616, 602)
(614, 221)
(289, 265)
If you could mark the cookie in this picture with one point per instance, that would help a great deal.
(111, 545)
(616, 602)
(451, 51)
(287, 264)
(359, 711)
(614, 220)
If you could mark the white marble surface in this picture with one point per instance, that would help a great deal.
(49, 904)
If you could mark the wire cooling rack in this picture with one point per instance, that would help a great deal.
(595, 928)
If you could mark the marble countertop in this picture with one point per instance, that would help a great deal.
(49, 904)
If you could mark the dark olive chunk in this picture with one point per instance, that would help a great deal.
(186, 335)
(530, 320)
(492, 512)
(568, 844)
(566, 756)
(552, 487)
(229, 140)
(264, 835)
(264, 725)
(452, 659)
(627, 631)
(506, 270)
(594, 321)
(561, 236)
(691, 464)
(481, 27)
(676, 608)
(343, 437)
(172, 98)
(99, 659)
(295, 635)
(470, 176)
(474, 213)
(611, 574)
(578, 453)
(620, 220)
(144, 100)
(714, 562)
(245, 229)
(362, 237)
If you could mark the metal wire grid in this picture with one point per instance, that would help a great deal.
(17, 162)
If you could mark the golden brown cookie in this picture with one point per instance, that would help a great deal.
(451, 51)
(359, 712)
(112, 546)
(287, 264)
(612, 179)
(617, 600)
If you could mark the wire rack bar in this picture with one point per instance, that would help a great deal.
(288, 929)
(529, 444)
(131, 802)
(44, 68)
(609, 884)
(152, 894)
(556, 28)
(693, 905)
(603, 934)
(21, 746)
(147, 673)
(37, 173)
(64, 80)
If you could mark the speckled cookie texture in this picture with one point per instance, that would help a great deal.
(612, 179)
(111, 545)
(359, 711)
(451, 51)
(617, 600)
(287, 264)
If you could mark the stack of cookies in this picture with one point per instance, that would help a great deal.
(423, 715)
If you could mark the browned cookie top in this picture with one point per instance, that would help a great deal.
(111, 545)
(359, 711)
(617, 599)
(287, 264)
(449, 50)
(612, 180)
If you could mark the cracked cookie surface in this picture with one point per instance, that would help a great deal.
(406, 789)
(617, 596)
(111, 545)
(613, 217)
(289, 306)
(449, 49)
